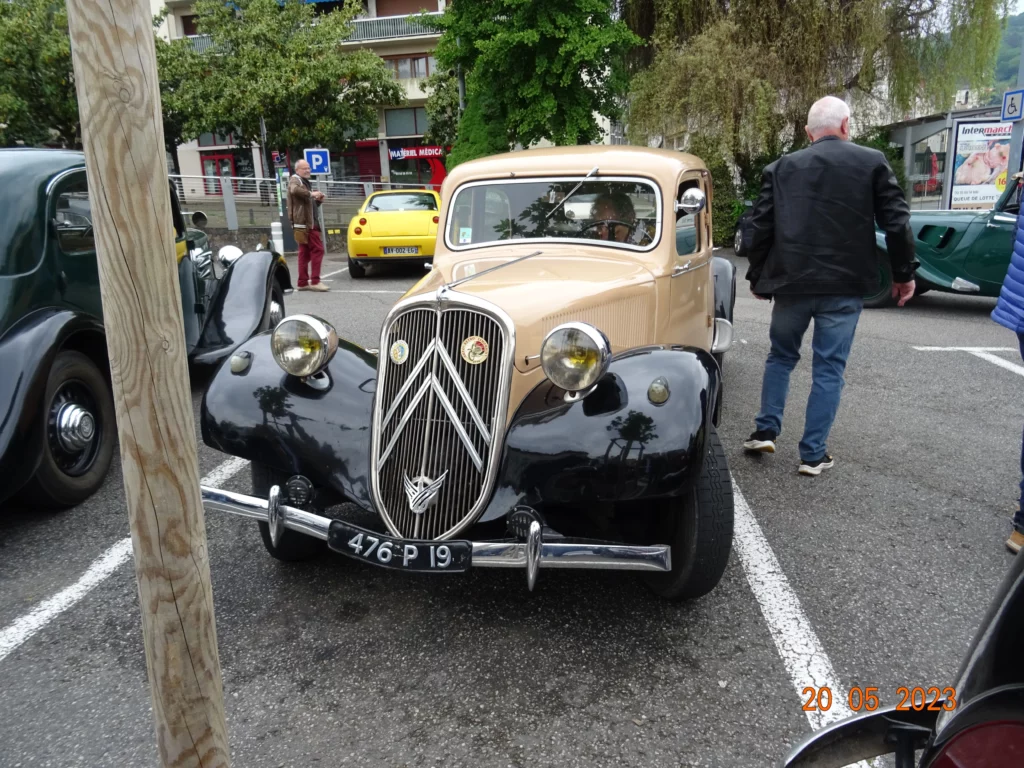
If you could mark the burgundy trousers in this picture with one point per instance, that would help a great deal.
(311, 255)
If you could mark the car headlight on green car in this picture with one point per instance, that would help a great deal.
(303, 345)
(575, 356)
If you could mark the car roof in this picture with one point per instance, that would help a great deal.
(662, 165)
(24, 168)
(402, 192)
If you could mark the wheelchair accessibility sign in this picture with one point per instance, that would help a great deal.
(1013, 102)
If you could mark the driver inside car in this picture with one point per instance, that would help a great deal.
(614, 217)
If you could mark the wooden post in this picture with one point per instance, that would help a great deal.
(119, 103)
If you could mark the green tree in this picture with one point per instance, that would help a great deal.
(548, 67)
(746, 72)
(280, 60)
(442, 109)
(37, 84)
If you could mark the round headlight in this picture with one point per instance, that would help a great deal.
(228, 255)
(575, 355)
(303, 344)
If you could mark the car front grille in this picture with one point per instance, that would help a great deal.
(438, 418)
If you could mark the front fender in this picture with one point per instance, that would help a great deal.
(237, 308)
(265, 415)
(28, 349)
(614, 444)
(724, 273)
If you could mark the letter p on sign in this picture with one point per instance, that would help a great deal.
(319, 160)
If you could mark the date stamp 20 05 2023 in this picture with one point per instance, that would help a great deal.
(932, 699)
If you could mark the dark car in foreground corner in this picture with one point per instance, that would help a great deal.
(547, 396)
(977, 722)
(57, 429)
(961, 251)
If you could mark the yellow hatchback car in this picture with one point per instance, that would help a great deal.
(394, 226)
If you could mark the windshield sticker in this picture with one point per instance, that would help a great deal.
(465, 235)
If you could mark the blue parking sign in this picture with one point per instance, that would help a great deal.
(319, 160)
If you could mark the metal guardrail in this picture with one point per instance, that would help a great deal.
(253, 202)
(385, 27)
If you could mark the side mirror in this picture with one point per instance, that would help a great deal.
(199, 219)
(692, 201)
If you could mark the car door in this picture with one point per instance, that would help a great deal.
(989, 255)
(73, 242)
(690, 303)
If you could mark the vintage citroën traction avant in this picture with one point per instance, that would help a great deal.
(545, 397)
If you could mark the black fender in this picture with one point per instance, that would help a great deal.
(281, 272)
(263, 414)
(28, 349)
(724, 273)
(614, 444)
(237, 308)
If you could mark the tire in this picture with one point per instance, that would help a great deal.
(699, 527)
(276, 298)
(68, 477)
(737, 242)
(883, 298)
(355, 269)
(293, 547)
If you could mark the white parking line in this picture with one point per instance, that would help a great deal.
(984, 353)
(24, 627)
(997, 360)
(335, 272)
(802, 653)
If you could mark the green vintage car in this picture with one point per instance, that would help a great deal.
(960, 251)
(57, 428)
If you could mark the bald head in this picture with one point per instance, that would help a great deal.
(302, 168)
(828, 117)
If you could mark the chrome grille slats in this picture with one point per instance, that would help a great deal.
(456, 425)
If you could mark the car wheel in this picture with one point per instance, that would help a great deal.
(79, 434)
(355, 269)
(275, 308)
(293, 546)
(698, 525)
(883, 298)
(737, 242)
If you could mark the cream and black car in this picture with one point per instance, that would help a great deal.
(545, 397)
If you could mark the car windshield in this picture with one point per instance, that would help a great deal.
(402, 202)
(618, 211)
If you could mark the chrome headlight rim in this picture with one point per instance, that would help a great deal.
(315, 364)
(228, 255)
(600, 342)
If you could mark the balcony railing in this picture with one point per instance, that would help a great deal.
(200, 43)
(388, 27)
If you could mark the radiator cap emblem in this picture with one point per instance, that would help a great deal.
(399, 352)
(474, 350)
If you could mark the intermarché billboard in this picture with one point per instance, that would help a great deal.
(981, 153)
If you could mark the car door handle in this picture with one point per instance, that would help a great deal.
(689, 266)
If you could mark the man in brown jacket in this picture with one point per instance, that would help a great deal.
(303, 204)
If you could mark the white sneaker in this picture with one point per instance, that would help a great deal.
(813, 468)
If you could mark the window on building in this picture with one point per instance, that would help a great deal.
(209, 140)
(412, 67)
(188, 25)
(411, 121)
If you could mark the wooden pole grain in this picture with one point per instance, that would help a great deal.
(119, 104)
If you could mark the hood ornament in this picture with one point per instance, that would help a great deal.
(422, 491)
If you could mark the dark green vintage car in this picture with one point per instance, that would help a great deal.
(960, 251)
(57, 429)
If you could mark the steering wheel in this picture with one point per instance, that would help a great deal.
(617, 223)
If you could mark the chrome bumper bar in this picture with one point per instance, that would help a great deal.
(533, 554)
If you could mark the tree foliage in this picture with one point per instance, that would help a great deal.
(547, 66)
(746, 72)
(279, 60)
(442, 109)
(37, 84)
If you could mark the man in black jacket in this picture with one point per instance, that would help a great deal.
(812, 250)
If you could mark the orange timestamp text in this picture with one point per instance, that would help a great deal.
(918, 699)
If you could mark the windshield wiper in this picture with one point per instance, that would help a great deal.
(491, 269)
(560, 203)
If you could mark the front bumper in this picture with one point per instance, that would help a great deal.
(531, 555)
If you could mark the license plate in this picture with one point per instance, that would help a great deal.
(403, 249)
(402, 554)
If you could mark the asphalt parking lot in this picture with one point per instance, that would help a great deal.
(874, 574)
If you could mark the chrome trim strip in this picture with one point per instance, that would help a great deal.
(486, 554)
(460, 430)
(688, 267)
(460, 386)
(445, 298)
(409, 382)
(659, 218)
(258, 509)
(405, 418)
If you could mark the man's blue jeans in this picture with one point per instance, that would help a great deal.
(835, 320)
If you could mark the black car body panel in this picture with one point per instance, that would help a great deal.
(264, 415)
(724, 273)
(34, 342)
(614, 444)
